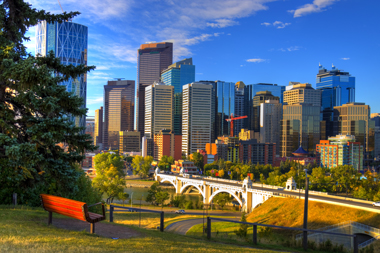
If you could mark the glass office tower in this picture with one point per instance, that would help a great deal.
(118, 111)
(250, 91)
(177, 75)
(239, 107)
(68, 41)
(152, 59)
(223, 105)
(338, 88)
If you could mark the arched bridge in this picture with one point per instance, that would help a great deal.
(247, 197)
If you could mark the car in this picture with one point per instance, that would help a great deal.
(376, 203)
(181, 211)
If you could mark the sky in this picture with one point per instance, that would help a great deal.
(254, 41)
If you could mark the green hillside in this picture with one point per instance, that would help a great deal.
(25, 229)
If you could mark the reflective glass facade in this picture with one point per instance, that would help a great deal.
(152, 59)
(354, 119)
(68, 41)
(118, 111)
(177, 75)
(338, 88)
(250, 91)
(223, 106)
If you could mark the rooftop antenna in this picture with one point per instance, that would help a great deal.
(118, 78)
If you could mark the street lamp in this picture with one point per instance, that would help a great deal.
(305, 211)
(140, 211)
(132, 199)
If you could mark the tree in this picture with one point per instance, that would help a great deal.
(222, 199)
(34, 113)
(142, 165)
(123, 196)
(153, 190)
(110, 182)
(165, 162)
(198, 160)
(161, 197)
(243, 229)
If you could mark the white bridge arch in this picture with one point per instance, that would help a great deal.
(247, 197)
(192, 185)
(226, 191)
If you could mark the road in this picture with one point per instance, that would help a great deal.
(181, 227)
(347, 201)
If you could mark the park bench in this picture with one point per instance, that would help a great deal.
(71, 208)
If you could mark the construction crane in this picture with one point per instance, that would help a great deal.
(63, 11)
(231, 120)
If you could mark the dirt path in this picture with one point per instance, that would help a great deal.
(102, 229)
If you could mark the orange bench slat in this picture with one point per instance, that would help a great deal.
(79, 217)
(61, 200)
(64, 211)
(69, 207)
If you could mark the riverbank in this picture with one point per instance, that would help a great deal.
(138, 183)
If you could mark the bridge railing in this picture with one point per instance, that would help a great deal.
(305, 231)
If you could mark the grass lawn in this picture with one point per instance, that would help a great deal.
(25, 229)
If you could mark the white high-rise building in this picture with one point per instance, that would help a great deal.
(159, 105)
(270, 123)
(196, 116)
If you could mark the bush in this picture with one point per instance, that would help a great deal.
(189, 205)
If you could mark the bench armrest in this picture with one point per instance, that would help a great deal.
(99, 203)
(95, 204)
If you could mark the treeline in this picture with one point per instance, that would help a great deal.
(339, 180)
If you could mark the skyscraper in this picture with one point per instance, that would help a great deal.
(129, 141)
(250, 91)
(177, 75)
(196, 115)
(259, 99)
(239, 107)
(300, 125)
(338, 88)
(270, 123)
(158, 108)
(354, 119)
(68, 41)
(118, 111)
(98, 132)
(152, 59)
(223, 106)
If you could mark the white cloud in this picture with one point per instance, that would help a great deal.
(95, 9)
(345, 59)
(221, 23)
(316, 6)
(256, 60)
(94, 100)
(277, 24)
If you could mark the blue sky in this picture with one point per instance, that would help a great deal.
(233, 40)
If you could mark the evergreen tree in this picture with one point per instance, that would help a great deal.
(34, 110)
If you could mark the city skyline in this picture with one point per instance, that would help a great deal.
(256, 41)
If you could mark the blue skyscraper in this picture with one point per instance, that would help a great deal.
(178, 75)
(338, 88)
(68, 41)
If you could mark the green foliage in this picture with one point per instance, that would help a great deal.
(34, 110)
(243, 229)
(129, 159)
(189, 205)
(222, 199)
(178, 201)
(198, 160)
(110, 177)
(165, 162)
(123, 196)
(161, 197)
(152, 192)
(142, 165)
